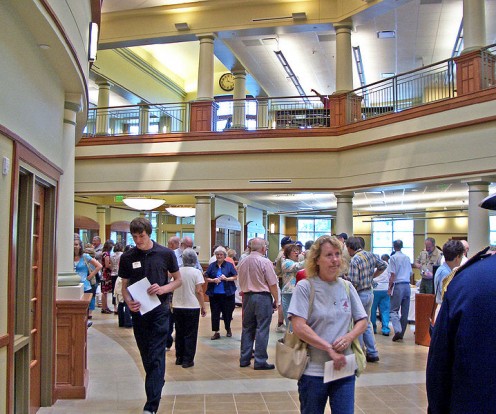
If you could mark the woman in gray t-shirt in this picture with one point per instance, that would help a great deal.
(326, 331)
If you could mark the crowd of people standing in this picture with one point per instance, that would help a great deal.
(328, 295)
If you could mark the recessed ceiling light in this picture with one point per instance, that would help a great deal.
(44, 46)
(386, 34)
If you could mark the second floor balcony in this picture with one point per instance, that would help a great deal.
(444, 80)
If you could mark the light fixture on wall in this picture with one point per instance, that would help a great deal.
(291, 74)
(143, 203)
(181, 211)
(92, 41)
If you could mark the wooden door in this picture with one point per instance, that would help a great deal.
(36, 300)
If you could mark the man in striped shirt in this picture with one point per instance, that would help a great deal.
(364, 266)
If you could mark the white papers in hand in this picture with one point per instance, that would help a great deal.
(331, 374)
(139, 294)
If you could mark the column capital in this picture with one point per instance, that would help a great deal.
(343, 26)
(344, 194)
(103, 83)
(203, 199)
(237, 73)
(206, 36)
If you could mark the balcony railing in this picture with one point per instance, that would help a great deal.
(428, 84)
(138, 119)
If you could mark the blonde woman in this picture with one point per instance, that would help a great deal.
(327, 329)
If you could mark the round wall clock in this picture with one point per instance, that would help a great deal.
(226, 82)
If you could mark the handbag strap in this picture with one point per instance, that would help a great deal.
(310, 303)
(347, 288)
(311, 299)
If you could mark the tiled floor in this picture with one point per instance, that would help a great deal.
(216, 384)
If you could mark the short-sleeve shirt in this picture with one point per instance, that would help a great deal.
(362, 268)
(428, 261)
(443, 271)
(154, 264)
(331, 315)
(185, 295)
(400, 265)
(256, 273)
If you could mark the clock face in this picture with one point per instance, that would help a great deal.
(226, 82)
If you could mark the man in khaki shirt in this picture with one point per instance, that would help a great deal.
(426, 260)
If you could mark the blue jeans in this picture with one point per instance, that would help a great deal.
(400, 299)
(285, 301)
(257, 315)
(381, 300)
(314, 394)
(367, 297)
(150, 332)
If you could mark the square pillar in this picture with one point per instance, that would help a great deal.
(474, 72)
(203, 116)
(345, 109)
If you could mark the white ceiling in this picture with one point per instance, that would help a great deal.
(425, 33)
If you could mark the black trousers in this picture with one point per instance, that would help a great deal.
(124, 315)
(150, 332)
(187, 321)
(222, 304)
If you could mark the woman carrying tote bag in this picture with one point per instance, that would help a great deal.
(327, 330)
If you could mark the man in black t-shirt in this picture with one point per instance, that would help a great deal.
(155, 262)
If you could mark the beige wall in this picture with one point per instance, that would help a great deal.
(355, 162)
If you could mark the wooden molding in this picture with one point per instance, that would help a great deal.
(4, 340)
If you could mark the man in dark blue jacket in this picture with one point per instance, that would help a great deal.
(461, 367)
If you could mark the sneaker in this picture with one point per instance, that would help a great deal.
(281, 328)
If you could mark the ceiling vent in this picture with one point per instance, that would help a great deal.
(252, 42)
(386, 34)
(327, 37)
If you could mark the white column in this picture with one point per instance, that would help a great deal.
(144, 119)
(202, 227)
(65, 208)
(478, 218)
(344, 213)
(474, 25)
(101, 217)
(239, 111)
(344, 68)
(102, 115)
(206, 68)
(265, 223)
(242, 222)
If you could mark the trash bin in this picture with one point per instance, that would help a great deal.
(423, 309)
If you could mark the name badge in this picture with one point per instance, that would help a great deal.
(136, 265)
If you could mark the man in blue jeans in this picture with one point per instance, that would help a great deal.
(155, 262)
(364, 266)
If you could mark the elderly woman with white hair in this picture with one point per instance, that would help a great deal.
(187, 304)
(220, 276)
